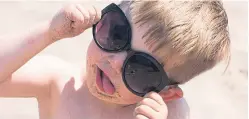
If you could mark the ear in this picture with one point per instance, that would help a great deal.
(171, 94)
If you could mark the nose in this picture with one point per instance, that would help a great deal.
(116, 60)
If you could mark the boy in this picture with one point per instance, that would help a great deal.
(186, 38)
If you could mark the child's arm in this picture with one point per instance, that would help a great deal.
(35, 78)
(31, 80)
(18, 50)
(15, 51)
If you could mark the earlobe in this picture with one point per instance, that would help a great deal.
(171, 94)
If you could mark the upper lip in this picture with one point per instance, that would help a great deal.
(106, 72)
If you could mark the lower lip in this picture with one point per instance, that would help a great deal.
(104, 83)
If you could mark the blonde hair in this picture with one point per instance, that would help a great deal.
(194, 31)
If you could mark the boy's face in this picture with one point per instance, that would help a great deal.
(111, 87)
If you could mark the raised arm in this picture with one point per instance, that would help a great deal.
(68, 22)
(17, 50)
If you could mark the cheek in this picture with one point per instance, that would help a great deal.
(128, 96)
(132, 99)
(94, 53)
(92, 49)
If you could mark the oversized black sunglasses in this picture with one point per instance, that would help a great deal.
(141, 73)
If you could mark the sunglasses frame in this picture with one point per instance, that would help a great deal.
(127, 47)
(164, 84)
(114, 8)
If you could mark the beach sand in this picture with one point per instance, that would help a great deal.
(212, 95)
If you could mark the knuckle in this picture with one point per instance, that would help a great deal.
(86, 15)
(156, 96)
(150, 94)
(145, 101)
(140, 108)
(87, 18)
(79, 7)
(92, 10)
(97, 18)
(68, 10)
(153, 94)
(98, 14)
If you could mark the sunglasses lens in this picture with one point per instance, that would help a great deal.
(141, 75)
(112, 31)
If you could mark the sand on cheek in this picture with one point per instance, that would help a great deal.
(91, 84)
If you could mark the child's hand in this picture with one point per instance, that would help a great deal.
(72, 20)
(151, 107)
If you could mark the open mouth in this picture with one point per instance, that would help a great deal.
(103, 82)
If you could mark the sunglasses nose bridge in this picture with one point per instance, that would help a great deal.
(117, 61)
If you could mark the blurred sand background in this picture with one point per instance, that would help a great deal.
(212, 95)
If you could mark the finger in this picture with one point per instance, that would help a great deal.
(93, 14)
(151, 103)
(155, 96)
(84, 12)
(146, 111)
(74, 15)
(141, 117)
(98, 15)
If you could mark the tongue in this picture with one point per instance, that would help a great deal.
(107, 85)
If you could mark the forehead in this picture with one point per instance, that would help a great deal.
(137, 41)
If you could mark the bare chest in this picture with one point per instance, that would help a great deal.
(81, 105)
(78, 109)
(90, 114)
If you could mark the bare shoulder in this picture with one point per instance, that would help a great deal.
(60, 72)
(50, 64)
(60, 69)
(35, 77)
(178, 109)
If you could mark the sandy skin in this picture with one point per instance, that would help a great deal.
(61, 89)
